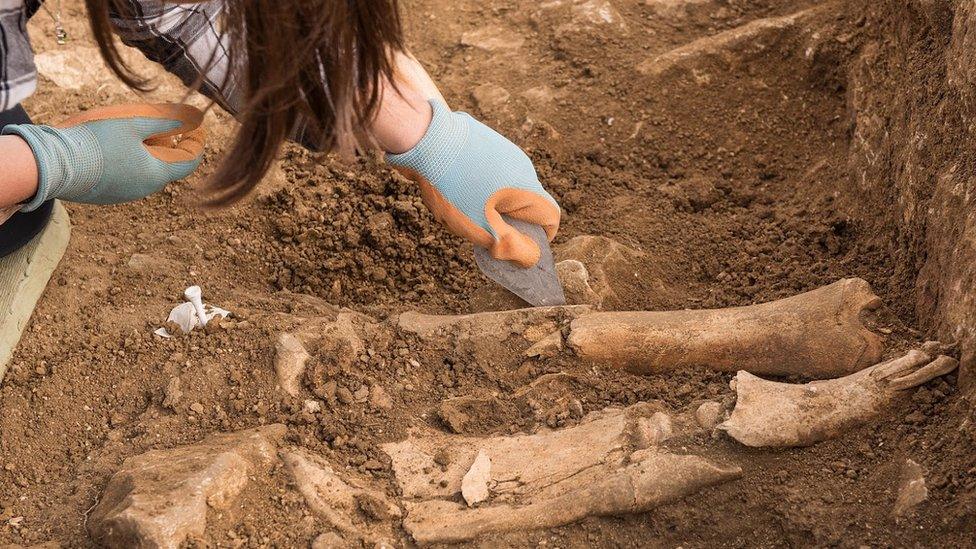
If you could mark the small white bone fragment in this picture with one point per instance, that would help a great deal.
(290, 360)
(186, 317)
(818, 334)
(474, 485)
(194, 295)
(768, 413)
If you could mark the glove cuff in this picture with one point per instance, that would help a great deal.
(33, 137)
(57, 177)
(436, 152)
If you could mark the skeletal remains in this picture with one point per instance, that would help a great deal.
(456, 488)
(768, 413)
(607, 465)
(815, 335)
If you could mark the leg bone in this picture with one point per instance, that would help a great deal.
(603, 466)
(817, 335)
(768, 413)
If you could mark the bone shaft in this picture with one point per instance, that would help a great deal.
(817, 335)
(611, 496)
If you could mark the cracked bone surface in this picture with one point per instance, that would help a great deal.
(818, 334)
(768, 413)
(489, 335)
(543, 480)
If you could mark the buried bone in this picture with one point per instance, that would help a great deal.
(490, 336)
(769, 413)
(818, 334)
(543, 480)
(650, 480)
(339, 499)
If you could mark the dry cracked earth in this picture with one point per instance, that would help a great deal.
(741, 363)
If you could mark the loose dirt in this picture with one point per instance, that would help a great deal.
(727, 171)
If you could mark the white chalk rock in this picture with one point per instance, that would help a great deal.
(474, 485)
(911, 491)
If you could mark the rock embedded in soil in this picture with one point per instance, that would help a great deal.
(912, 490)
(329, 540)
(614, 271)
(593, 270)
(654, 430)
(709, 415)
(290, 360)
(474, 484)
(172, 393)
(675, 10)
(74, 68)
(162, 497)
(547, 347)
(379, 398)
(576, 283)
(492, 39)
(490, 97)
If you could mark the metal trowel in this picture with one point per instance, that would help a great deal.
(539, 285)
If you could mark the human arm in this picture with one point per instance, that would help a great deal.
(469, 174)
(19, 180)
(104, 156)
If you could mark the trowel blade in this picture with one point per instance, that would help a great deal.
(538, 284)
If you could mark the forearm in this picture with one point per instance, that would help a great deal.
(18, 180)
(405, 113)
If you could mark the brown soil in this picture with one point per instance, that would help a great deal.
(733, 179)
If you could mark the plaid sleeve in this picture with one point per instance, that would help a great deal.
(186, 40)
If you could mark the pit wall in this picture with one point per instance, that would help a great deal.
(912, 103)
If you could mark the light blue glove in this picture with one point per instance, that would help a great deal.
(470, 175)
(106, 161)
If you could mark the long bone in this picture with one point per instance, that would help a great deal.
(768, 413)
(652, 479)
(818, 334)
(606, 465)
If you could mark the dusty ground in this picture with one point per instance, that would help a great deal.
(726, 174)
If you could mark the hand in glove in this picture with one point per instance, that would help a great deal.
(470, 175)
(113, 155)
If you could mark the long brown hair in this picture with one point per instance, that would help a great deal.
(318, 63)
